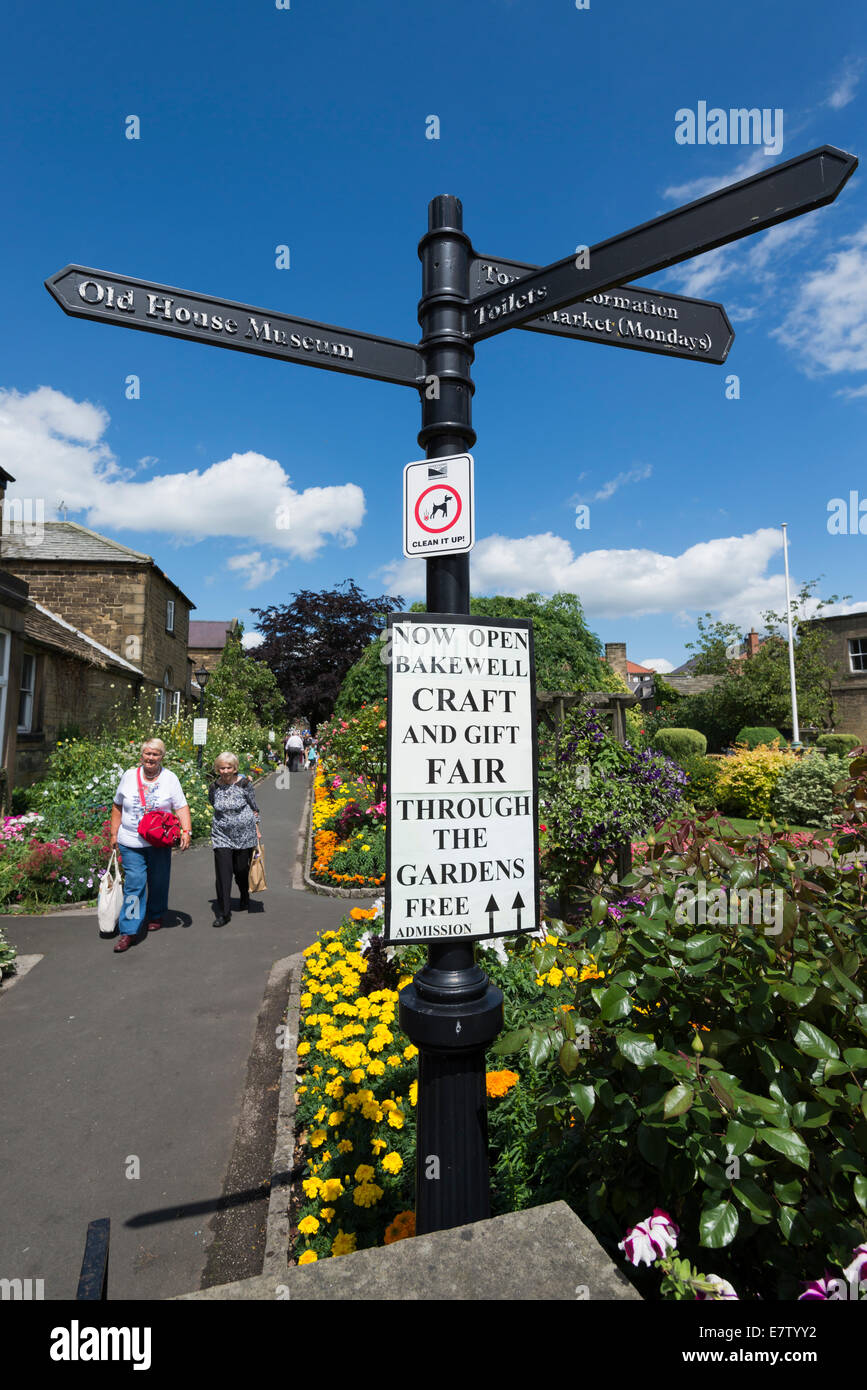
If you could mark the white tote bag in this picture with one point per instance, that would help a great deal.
(110, 899)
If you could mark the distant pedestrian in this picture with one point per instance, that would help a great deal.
(147, 866)
(234, 834)
(295, 751)
(312, 755)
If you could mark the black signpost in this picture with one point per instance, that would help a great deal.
(451, 1010)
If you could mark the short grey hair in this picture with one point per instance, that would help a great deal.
(230, 757)
(153, 743)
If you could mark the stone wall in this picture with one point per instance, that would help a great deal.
(162, 650)
(68, 692)
(848, 687)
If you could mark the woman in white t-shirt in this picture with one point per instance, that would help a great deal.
(146, 867)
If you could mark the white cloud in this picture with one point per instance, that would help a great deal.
(844, 88)
(827, 325)
(755, 162)
(251, 639)
(254, 569)
(632, 475)
(658, 663)
(53, 446)
(726, 575)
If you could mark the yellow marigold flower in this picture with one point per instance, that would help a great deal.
(410, 1052)
(555, 976)
(331, 1189)
(334, 1088)
(318, 1137)
(303, 1049)
(306, 1000)
(345, 1146)
(393, 1060)
(308, 1258)
(326, 1156)
(378, 1145)
(413, 1092)
(327, 1213)
(540, 980)
(320, 1114)
(308, 1226)
(363, 1173)
(571, 971)
(388, 1105)
(377, 1067)
(498, 1083)
(335, 1119)
(367, 1195)
(392, 1163)
(395, 1119)
(371, 1111)
(312, 1187)
(343, 1243)
(551, 941)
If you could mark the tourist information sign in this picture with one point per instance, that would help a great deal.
(628, 317)
(462, 830)
(98, 294)
(787, 190)
(439, 510)
(462, 794)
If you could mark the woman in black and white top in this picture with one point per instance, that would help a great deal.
(234, 833)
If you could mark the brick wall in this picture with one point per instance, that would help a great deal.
(848, 687)
(70, 692)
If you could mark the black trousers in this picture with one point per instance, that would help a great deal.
(229, 863)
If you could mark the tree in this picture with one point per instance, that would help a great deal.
(756, 690)
(568, 654)
(311, 643)
(242, 686)
(714, 637)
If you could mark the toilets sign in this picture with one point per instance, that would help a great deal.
(462, 840)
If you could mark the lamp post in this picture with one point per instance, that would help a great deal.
(202, 679)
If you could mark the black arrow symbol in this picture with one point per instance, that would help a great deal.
(518, 903)
(491, 909)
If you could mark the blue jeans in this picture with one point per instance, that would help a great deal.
(146, 875)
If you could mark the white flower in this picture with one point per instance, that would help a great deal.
(650, 1239)
(854, 1272)
(379, 907)
(498, 947)
(723, 1289)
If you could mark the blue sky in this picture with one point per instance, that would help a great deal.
(306, 127)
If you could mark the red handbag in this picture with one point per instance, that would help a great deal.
(160, 828)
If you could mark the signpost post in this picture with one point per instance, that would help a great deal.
(462, 856)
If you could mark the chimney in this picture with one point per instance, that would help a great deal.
(615, 655)
(752, 640)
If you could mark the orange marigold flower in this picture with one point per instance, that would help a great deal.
(497, 1083)
(401, 1228)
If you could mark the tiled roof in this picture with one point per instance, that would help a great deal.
(635, 670)
(209, 634)
(66, 540)
(41, 625)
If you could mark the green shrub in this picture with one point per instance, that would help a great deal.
(753, 736)
(702, 789)
(804, 794)
(838, 744)
(679, 743)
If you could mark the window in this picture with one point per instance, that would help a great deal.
(4, 681)
(170, 615)
(28, 689)
(160, 706)
(176, 705)
(858, 653)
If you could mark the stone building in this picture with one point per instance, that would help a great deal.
(845, 640)
(116, 598)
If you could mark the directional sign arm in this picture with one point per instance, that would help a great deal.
(809, 181)
(99, 294)
(631, 316)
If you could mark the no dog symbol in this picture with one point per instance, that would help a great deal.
(438, 508)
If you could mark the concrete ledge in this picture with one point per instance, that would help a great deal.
(545, 1253)
(276, 1257)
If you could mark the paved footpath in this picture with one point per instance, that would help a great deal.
(108, 1057)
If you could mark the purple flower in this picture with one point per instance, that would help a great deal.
(855, 1271)
(819, 1288)
(650, 1239)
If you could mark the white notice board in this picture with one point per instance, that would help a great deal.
(462, 827)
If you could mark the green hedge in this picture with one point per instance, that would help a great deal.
(804, 793)
(679, 743)
(754, 735)
(838, 745)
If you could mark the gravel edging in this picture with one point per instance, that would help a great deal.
(324, 888)
(283, 1175)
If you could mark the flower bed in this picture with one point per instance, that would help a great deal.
(348, 833)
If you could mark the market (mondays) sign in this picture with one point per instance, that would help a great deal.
(462, 838)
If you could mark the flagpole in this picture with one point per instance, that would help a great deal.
(796, 733)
